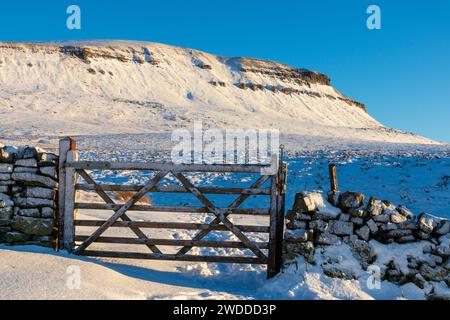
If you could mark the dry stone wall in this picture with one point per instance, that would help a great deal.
(28, 196)
(373, 230)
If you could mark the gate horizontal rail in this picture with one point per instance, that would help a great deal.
(207, 190)
(265, 252)
(187, 209)
(170, 242)
(168, 225)
(141, 166)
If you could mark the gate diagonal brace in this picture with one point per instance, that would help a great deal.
(221, 216)
(236, 203)
(124, 217)
(119, 213)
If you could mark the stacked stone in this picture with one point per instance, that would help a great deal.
(354, 222)
(379, 220)
(433, 265)
(28, 184)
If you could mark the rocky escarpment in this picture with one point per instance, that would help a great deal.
(86, 54)
(285, 79)
(291, 78)
(292, 91)
(283, 71)
(381, 236)
(126, 55)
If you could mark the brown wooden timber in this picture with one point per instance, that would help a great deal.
(219, 214)
(279, 230)
(333, 178)
(142, 166)
(206, 190)
(233, 206)
(69, 203)
(124, 216)
(121, 211)
(265, 252)
(169, 225)
(64, 147)
(272, 262)
(115, 207)
(171, 257)
(172, 242)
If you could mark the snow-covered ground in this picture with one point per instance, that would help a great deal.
(38, 273)
(420, 180)
(121, 101)
(416, 177)
(415, 180)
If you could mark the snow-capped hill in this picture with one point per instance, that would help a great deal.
(98, 87)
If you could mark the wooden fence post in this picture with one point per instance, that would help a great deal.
(69, 203)
(274, 261)
(282, 175)
(333, 178)
(65, 145)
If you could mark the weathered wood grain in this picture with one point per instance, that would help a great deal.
(169, 225)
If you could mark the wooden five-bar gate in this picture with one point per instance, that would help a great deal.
(268, 253)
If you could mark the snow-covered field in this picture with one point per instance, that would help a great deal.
(418, 178)
(415, 176)
(418, 181)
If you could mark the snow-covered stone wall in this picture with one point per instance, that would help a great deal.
(380, 235)
(28, 195)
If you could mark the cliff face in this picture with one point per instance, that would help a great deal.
(278, 72)
(287, 74)
(126, 87)
(283, 72)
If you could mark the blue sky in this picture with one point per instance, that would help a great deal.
(401, 72)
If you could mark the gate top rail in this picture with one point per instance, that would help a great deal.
(267, 169)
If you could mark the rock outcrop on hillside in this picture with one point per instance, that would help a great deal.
(111, 87)
(402, 247)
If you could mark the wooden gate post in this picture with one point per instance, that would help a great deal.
(69, 203)
(276, 233)
(280, 214)
(277, 259)
(65, 145)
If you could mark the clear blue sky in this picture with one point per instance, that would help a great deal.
(401, 72)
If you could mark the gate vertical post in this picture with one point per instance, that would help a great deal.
(273, 266)
(282, 172)
(65, 145)
(69, 202)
